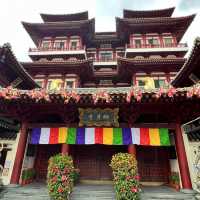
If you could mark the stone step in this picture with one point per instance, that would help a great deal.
(93, 192)
(166, 196)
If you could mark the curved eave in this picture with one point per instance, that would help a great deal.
(148, 13)
(126, 65)
(39, 30)
(147, 61)
(8, 58)
(64, 17)
(176, 25)
(80, 67)
(66, 63)
(192, 62)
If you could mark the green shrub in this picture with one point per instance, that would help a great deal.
(174, 178)
(60, 177)
(76, 175)
(28, 174)
(126, 178)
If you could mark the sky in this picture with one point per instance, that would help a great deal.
(13, 12)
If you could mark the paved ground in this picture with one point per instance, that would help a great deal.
(90, 192)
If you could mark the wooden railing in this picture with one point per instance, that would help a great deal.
(105, 59)
(132, 46)
(78, 48)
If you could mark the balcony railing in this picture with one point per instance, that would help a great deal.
(105, 59)
(132, 46)
(39, 49)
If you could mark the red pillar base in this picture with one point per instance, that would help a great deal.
(182, 159)
(65, 149)
(132, 149)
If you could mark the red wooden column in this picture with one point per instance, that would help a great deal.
(182, 158)
(65, 149)
(20, 154)
(132, 149)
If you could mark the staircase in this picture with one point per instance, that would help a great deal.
(90, 191)
(93, 192)
(164, 193)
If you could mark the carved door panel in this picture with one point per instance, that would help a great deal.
(85, 158)
(93, 160)
(153, 164)
(44, 152)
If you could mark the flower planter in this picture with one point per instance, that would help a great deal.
(176, 186)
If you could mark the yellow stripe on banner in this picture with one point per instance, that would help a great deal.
(62, 137)
(154, 136)
(107, 135)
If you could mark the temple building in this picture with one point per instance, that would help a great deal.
(102, 93)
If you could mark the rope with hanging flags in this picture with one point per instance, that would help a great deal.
(106, 136)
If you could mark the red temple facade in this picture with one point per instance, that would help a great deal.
(105, 83)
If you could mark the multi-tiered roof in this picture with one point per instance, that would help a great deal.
(129, 62)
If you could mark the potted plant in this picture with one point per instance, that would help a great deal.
(60, 177)
(27, 176)
(175, 180)
(126, 178)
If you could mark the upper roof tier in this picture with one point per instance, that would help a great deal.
(148, 13)
(64, 17)
(37, 31)
(175, 25)
(191, 66)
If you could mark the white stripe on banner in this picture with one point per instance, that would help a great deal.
(44, 136)
(135, 132)
(89, 135)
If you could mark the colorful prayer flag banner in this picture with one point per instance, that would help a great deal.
(106, 136)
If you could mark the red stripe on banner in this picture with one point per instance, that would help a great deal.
(53, 139)
(144, 136)
(98, 135)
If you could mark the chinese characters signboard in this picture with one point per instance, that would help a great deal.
(98, 117)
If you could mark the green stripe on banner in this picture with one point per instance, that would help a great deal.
(164, 137)
(71, 136)
(117, 136)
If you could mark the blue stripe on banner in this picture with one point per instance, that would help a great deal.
(126, 133)
(35, 135)
(80, 136)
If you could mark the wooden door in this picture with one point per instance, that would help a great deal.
(93, 160)
(44, 152)
(153, 163)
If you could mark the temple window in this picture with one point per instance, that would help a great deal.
(59, 44)
(168, 41)
(69, 83)
(46, 44)
(153, 42)
(138, 43)
(140, 79)
(106, 55)
(54, 84)
(159, 82)
(74, 43)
